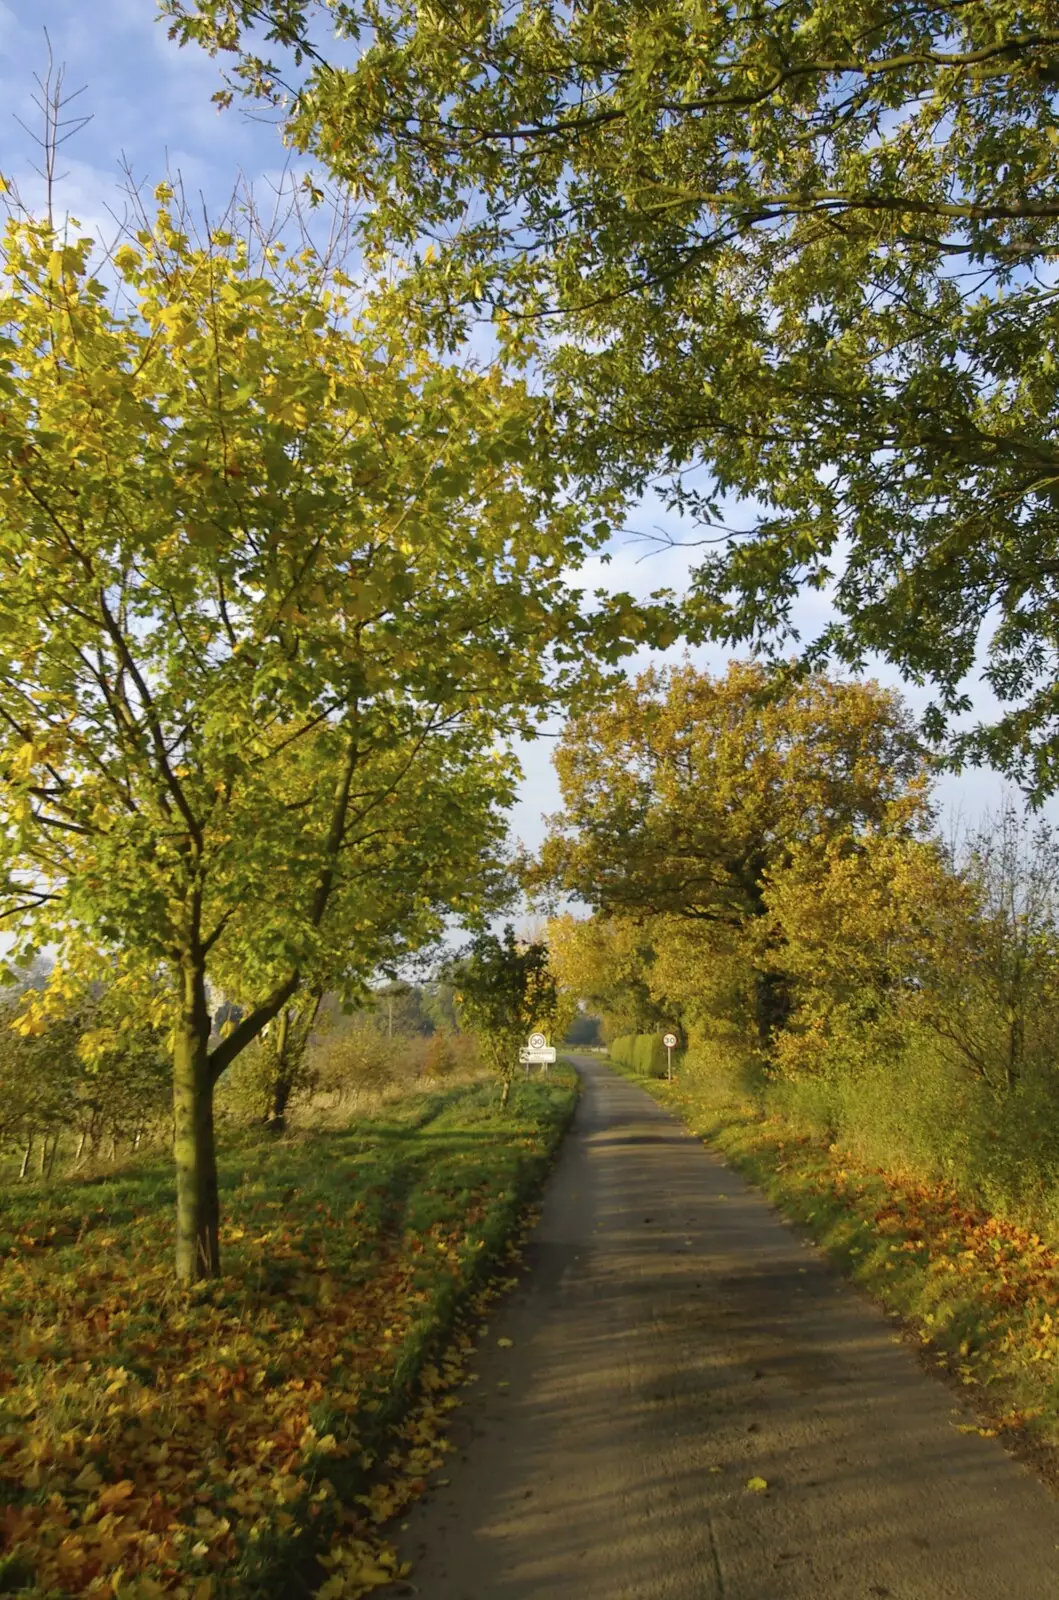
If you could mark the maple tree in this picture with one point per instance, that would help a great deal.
(804, 245)
(433, 837)
(261, 558)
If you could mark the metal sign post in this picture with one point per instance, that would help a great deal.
(670, 1042)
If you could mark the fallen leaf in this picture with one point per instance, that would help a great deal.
(758, 1485)
(505, 1344)
(115, 1493)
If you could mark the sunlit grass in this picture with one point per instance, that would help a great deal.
(197, 1442)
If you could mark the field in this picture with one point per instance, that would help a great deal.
(218, 1442)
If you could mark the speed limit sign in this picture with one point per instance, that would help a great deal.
(537, 1041)
(670, 1041)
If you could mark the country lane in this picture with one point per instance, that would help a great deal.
(674, 1338)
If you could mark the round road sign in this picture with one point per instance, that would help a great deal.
(670, 1041)
(537, 1041)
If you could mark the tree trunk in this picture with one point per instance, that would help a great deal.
(283, 1076)
(197, 1252)
(281, 1093)
(54, 1152)
(289, 1043)
(505, 1091)
(1016, 1046)
(26, 1155)
(772, 1006)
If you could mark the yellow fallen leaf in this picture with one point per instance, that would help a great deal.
(505, 1344)
(87, 1478)
(115, 1494)
(758, 1485)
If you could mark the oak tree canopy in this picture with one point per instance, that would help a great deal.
(275, 588)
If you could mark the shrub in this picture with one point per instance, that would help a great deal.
(621, 1049)
(440, 1060)
(650, 1058)
(643, 1052)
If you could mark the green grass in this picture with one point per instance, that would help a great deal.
(205, 1442)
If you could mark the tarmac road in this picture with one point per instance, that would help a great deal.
(673, 1339)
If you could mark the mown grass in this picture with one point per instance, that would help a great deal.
(980, 1293)
(209, 1444)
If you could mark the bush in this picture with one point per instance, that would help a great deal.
(621, 1049)
(450, 1053)
(651, 1057)
(643, 1052)
(90, 1078)
(916, 1118)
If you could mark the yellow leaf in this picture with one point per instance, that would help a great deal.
(758, 1485)
(505, 1344)
(22, 761)
(87, 1478)
(116, 1493)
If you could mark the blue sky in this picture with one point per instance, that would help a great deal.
(150, 107)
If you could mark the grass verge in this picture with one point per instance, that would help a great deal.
(213, 1444)
(978, 1293)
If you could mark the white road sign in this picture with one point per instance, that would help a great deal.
(537, 1041)
(669, 1040)
(543, 1057)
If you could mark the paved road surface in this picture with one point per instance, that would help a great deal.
(672, 1325)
